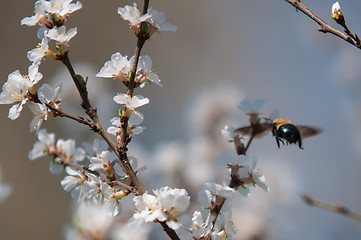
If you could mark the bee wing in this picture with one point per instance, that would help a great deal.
(306, 131)
(260, 130)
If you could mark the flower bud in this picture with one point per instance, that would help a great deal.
(337, 14)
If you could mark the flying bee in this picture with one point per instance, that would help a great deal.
(282, 129)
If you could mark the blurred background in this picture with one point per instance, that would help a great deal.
(222, 52)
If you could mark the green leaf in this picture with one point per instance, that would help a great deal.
(145, 27)
(81, 79)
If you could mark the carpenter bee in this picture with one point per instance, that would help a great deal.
(282, 129)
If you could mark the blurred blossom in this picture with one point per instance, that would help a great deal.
(232, 160)
(5, 189)
(90, 221)
(171, 156)
(210, 109)
(249, 106)
(136, 231)
(97, 91)
(228, 133)
(253, 216)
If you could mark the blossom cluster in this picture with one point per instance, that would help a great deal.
(244, 174)
(84, 186)
(20, 89)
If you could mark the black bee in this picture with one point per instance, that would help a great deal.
(282, 129)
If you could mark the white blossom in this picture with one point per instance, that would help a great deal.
(154, 18)
(45, 9)
(218, 189)
(43, 146)
(117, 67)
(40, 114)
(16, 88)
(335, 10)
(167, 205)
(47, 95)
(131, 102)
(111, 198)
(145, 72)
(60, 34)
(39, 13)
(69, 151)
(157, 20)
(98, 161)
(74, 183)
(38, 53)
(251, 176)
(260, 179)
(63, 149)
(135, 119)
(130, 13)
(61, 7)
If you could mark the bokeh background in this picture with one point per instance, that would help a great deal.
(222, 52)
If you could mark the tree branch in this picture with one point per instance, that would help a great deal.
(91, 112)
(60, 113)
(324, 27)
(332, 208)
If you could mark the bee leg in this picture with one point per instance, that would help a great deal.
(300, 144)
(274, 133)
(278, 141)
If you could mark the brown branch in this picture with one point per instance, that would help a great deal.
(170, 232)
(332, 208)
(91, 112)
(324, 27)
(124, 138)
(142, 37)
(60, 113)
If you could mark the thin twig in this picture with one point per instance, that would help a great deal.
(215, 212)
(170, 232)
(91, 112)
(60, 113)
(332, 208)
(140, 43)
(249, 142)
(324, 27)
